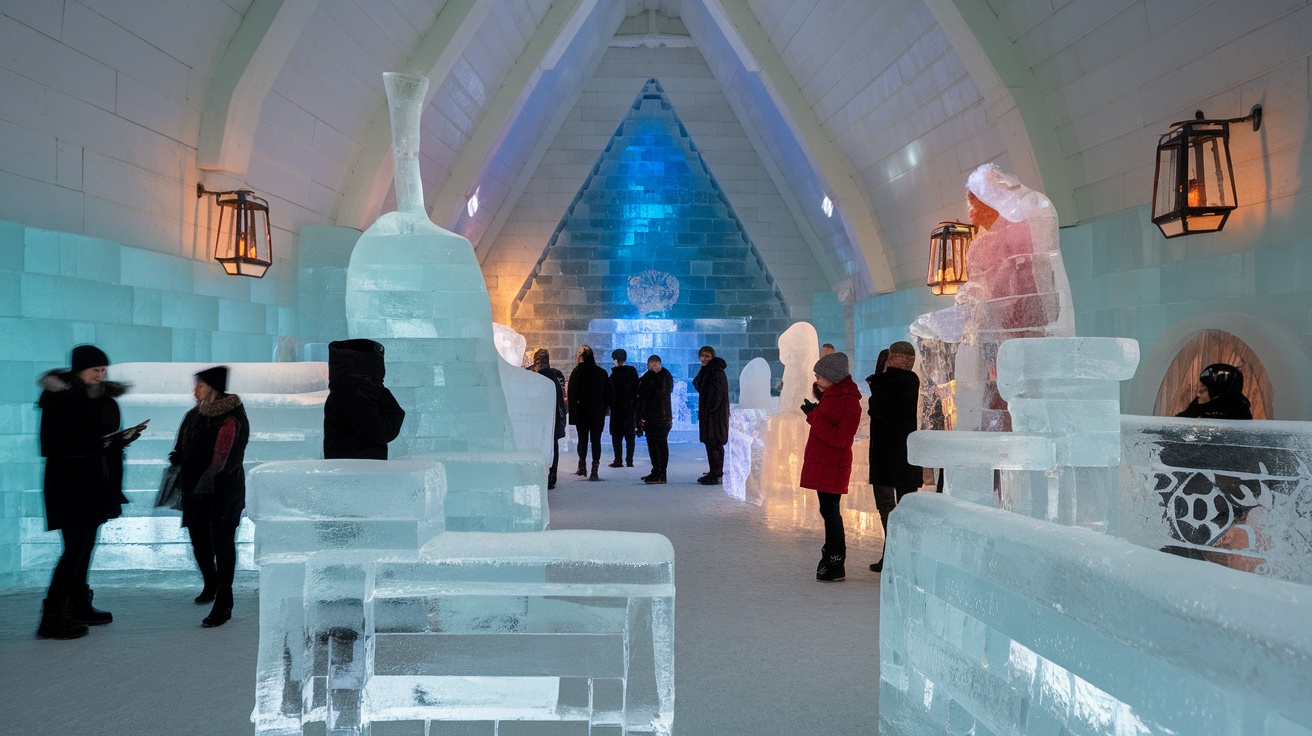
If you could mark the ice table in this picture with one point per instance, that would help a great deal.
(557, 632)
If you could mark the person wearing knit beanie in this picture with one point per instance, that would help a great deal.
(216, 378)
(827, 459)
(832, 367)
(87, 356)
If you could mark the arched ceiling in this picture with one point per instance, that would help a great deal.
(501, 71)
(881, 105)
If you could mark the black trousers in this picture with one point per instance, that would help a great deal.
(215, 546)
(835, 539)
(658, 447)
(715, 457)
(589, 436)
(887, 499)
(555, 462)
(70, 575)
(622, 432)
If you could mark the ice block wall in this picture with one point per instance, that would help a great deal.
(651, 257)
(994, 623)
(1235, 493)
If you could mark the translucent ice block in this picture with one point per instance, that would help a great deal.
(754, 386)
(531, 401)
(995, 623)
(546, 628)
(799, 349)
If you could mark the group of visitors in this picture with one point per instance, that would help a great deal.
(637, 406)
(833, 421)
(83, 446)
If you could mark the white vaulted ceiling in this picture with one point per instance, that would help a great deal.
(882, 105)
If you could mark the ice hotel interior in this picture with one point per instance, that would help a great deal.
(191, 183)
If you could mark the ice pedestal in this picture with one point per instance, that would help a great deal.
(304, 507)
(1064, 456)
(994, 623)
(556, 632)
(744, 455)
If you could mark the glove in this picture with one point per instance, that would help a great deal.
(807, 406)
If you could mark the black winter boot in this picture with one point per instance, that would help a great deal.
(56, 623)
(222, 611)
(831, 569)
(616, 464)
(583, 470)
(81, 610)
(595, 465)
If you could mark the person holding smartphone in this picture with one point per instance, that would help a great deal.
(83, 489)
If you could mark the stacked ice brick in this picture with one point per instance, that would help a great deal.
(1038, 621)
(400, 594)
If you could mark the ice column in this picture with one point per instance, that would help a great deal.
(418, 289)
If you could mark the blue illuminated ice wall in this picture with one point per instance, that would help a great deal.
(651, 209)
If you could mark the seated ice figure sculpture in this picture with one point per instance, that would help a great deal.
(1017, 287)
(799, 349)
(754, 386)
(530, 398)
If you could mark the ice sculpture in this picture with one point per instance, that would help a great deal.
(511, 345)
(539, 633)
(653, 291)
(991, 622)
(549, 632)
(418, 290)
(754, 386)
(1235, 493)
(799, 349)
(1017, 288)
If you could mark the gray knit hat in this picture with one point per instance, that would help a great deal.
(832, 367)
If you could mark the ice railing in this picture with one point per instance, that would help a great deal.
(1237, 493)
(1010, 606)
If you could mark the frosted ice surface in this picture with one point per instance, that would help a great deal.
(745, 454)
(679, 407)
(531, 401)
(1235, 493)
(510, 344)
(547, 629)
(1089, 633)
(1017, 288)
(799, 349)
(754, 386)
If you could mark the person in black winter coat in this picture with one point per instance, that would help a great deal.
(360, 415)
(542, 367)
(654, 417)
(1220, 395)
(894, 394)
(210, 449)
(712, 412)
(590, 395)
(624, 384)
(83, 447)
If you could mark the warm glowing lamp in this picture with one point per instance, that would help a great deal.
(242, 242)
(1194, 187)
(948, 245)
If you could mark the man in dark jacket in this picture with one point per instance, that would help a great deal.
(83, 447)
(590, 395)
(542, 367)
(624, 384)
(893, 397)
(712, 412)
(654, 416)
(360, 416)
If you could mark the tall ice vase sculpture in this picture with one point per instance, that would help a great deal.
(418, 290)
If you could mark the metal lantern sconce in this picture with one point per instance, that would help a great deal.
(242, 243)
(948, 245)
(1194, 187)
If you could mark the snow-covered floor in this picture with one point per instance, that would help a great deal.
(760, 646)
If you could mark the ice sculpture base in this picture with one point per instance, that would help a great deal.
(991, 622)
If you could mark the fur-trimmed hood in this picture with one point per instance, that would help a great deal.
(62, 380)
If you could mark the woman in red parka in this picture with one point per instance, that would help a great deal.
(827, 464)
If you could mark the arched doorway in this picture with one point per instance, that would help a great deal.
(1203, 349)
